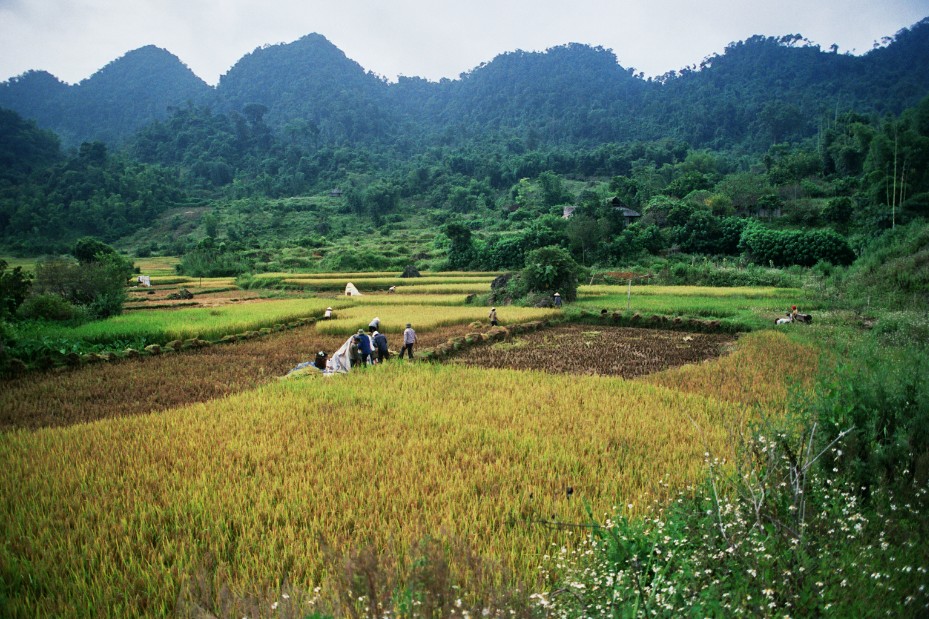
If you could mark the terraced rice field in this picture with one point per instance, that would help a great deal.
(129, 486)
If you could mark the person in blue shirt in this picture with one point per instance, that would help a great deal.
(380, 346)
(364, 346)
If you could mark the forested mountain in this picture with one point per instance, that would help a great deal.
(310, 86)
(774, 150)
(110, 105)
(758, 92)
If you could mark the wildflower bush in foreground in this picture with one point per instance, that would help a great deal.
(777, 536)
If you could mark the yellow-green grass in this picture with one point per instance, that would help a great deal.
(349, 276)
(380, 284)
(477, 287)
(192, 282)
(157, 265)
(160, 326)
(405, 299)
(113, 517)
(748, 292)
(424, 317)
(744, 306)
(26, 264)
(761, 371)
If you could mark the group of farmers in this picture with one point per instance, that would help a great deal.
(372, 347)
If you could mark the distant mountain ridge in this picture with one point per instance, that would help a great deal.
(113, 103)
(759, 91)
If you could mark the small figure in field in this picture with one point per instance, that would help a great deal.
(380, 345)
(493, 316)
(409, 338)
(392, 290)
(327, 314)
(354, 352)
(784, 321)
(320, 361)
(364, 347)
(374, 325)
(797, 316)
(557, 300)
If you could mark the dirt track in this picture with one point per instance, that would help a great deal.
(585, 349)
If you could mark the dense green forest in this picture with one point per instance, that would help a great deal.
(774, 152)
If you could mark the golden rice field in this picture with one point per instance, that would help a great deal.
(207, 323)
(346, 277)
(394, 317)
(750, 292)
(117, 516)
(157, 265)
(471, 286)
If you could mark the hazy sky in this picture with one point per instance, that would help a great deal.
(428, 38)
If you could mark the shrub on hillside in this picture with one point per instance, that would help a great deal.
(48, 307)
(14, 286)
(99, 286)
(209, 259)
(893, 270)
(794, 247)
(549, 270)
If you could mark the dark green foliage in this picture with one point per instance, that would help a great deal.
(789, 247)
(893, 271)
(89, 249)
(210, 259)
(48, 307)
(883, 394)
(14, 287)
(99, 286)
(90, 193)
(110, 105)
(839, 211)
(462, 253)
(549, 270)
(24, 147)
(355, 260)
(781, 535)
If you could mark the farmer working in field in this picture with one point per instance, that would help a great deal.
(409, 338)
(364, 347)
(380, 345)
(374, 325)
(493, 316)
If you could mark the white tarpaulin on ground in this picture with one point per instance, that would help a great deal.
(341, 361)
(351, 291)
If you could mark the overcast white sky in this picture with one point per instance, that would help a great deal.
(428, 38)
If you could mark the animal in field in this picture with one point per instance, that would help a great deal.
(791, 317)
